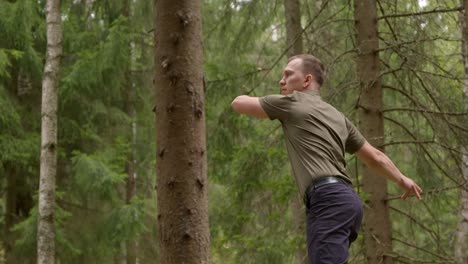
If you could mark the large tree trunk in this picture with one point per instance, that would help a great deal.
(293, 27)
(294, 44)
(377, 226)
(461, 244)
(180, 124)
(46, 229)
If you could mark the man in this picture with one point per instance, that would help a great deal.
(317, 136)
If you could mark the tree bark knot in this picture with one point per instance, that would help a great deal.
(171, 184)
(47, 218)
(175, 37)
(165, 63)
(184, 17)
(187, 236)
(200, 183)
(161, 152)
(50, 146)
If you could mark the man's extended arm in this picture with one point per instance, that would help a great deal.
(381, 164)
(248, 105)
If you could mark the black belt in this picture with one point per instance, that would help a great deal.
(321, 182)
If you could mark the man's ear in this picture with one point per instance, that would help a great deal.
(308, 79)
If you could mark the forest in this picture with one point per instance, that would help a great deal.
(118, 142)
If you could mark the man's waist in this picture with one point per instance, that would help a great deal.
(325, 180)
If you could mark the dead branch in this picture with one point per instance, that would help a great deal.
(414, 220)
(423, 148)
(434, 11)
(425, 111)
(421, 249)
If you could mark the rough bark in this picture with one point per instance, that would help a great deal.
(461, 244)
(180, 124)
(376, 226)
(46, 228)
(294, 44)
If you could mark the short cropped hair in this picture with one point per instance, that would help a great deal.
(312, 65)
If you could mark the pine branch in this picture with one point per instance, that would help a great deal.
(421, 249)
(434, 191)
(434, 11)
(247, 74)
(425, 111)
(386, 21)
(391, 45)
(414, 220)
(451, 125)
(403, 142)
(64, 204)
(423, 148)
(433, 141)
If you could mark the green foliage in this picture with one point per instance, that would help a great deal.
(99, 70)
(126, 222)
(26, 245)
(5, 55)
(93, 175)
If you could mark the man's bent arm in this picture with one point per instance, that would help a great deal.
(381, 164)
(248, 105)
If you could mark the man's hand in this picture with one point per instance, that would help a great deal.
(382, 165)
(410, 186)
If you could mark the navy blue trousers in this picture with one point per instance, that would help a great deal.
(334, 215)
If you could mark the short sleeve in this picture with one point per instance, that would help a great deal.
(276, 106)
(355, 139)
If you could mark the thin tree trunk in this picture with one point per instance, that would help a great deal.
(461, 244)
(46, 227)
(10, 214)
(180, 124)
(294, 45)
(377, 226)
(131, 246)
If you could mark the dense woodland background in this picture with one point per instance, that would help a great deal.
(106, 210)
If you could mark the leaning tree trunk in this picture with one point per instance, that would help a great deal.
(180, 124)
(377, 226)
(46, 229)
(461, 244)
(294, 44)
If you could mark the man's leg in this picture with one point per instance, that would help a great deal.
(334, 214)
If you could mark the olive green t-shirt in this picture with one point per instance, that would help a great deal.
(317, 135)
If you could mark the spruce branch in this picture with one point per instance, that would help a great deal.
(421, 249)
(433, 11)
(424, 111)
(423, 148)
(414, 220)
